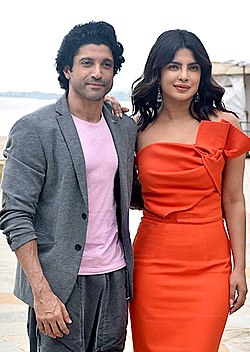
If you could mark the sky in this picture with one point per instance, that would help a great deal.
(31, 32)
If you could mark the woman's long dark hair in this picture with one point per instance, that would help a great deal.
(145, 88)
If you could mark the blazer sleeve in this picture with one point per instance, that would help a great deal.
(22, 182)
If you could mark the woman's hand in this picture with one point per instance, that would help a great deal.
(118, 110)
(238, 290)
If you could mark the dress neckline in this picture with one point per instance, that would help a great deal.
(188, 145)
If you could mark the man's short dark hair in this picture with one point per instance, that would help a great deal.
(89, 33)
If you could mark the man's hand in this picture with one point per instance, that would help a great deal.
(51, 315)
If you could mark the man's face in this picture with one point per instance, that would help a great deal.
(92, 73)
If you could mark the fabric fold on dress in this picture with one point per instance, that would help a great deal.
(200, 164)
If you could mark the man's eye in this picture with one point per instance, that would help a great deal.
(86, 62)
(108, 64)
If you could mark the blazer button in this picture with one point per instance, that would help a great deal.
(84, 216)
(9, 241)
(78, 247)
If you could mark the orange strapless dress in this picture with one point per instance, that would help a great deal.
(182, 251)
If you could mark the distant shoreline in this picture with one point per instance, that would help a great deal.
(34, 95)
(119, 94)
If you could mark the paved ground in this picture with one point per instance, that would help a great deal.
(13, 312)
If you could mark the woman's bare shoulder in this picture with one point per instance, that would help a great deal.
(228, 116)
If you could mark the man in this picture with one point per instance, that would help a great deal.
(66, 192)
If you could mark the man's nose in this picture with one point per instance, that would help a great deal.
(97, 72)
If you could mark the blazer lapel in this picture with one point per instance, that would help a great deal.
(115, 127)
(72, 140)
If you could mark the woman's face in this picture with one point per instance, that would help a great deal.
(180, 78)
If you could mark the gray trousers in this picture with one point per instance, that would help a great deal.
(99, 313)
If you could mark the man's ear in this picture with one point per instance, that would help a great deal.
(66, 72)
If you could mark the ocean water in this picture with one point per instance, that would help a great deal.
(11, 109)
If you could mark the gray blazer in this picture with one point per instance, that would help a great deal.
(45, 193)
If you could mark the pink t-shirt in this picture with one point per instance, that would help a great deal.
(103, 251)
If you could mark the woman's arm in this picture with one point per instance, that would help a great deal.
(235, 215)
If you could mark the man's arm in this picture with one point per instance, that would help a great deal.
(51, 314)
(22, 184)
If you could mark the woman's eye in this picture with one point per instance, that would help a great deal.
(173, 67)
(194, 68)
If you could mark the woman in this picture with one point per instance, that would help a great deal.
(190, 158)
